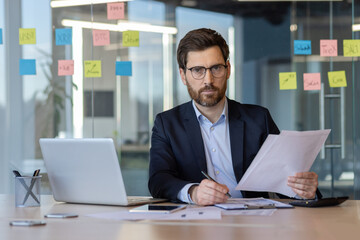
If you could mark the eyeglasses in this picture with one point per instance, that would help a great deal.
(199, 72)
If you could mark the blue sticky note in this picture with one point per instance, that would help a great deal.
(123, 68)
(27, 67)
(1, 41)
(302, 47)
(63, 36)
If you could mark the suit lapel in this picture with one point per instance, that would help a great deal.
(194, 137)
(236, 129)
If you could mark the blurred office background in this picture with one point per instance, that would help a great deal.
(260, 35)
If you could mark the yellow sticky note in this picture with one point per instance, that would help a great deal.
(130, 39)
(351, 48)
(287, 80)
(27, 36)
(337, 79)
(92, 68)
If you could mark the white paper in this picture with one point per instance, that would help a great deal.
(253, 212)
(282, 156)
(186, 214)
(242, 203)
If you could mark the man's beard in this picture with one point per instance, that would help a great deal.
(208, 100)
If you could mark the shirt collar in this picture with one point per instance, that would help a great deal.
(201, 117)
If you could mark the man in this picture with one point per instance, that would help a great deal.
(211, 133)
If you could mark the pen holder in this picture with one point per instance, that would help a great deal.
(27, 191)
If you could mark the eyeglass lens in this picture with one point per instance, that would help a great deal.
(200, 72)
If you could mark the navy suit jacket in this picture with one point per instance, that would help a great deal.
(177, 154)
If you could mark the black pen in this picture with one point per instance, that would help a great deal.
(36, 173)
(211, 179)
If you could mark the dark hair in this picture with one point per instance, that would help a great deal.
(198, 40)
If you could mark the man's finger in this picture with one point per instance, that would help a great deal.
(210, 192)
(302, 186)
(305, 175)
(206, 196)
(216, 186)
(304, 181)
(304, 194)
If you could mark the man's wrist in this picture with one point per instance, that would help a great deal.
(191, 193)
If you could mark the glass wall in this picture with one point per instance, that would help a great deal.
(3, 163)
(301, 109)
(72, 105)
(331, 107)
(122, 106)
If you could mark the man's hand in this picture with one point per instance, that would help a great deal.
(304, 184)
(208, 193)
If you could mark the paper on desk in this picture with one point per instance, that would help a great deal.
(187, 214)
(243, 203)
(256, 212)
(281, 156)
(253, 212)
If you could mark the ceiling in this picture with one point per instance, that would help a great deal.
(274, 12)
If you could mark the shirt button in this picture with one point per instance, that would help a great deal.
(214, 150)
(217, 172)
(212, 128)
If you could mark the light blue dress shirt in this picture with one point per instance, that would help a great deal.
(216, 139)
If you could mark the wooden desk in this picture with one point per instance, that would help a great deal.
(341, 222)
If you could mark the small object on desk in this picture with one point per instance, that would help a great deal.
(152, 208)
(61, 215)
(211, 179)
(268, 206)
(323, 202)
(234, 206)
(26, 186)
(27, 223)
(36, 173)
(252, 203)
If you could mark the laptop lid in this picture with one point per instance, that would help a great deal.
(84, 171)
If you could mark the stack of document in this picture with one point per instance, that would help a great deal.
(282, 156)
(251, 203)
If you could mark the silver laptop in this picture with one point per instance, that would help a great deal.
(86, 171)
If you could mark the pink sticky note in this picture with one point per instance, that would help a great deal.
(328, 48)
(65, 67)
(101, 37)
(115, 10)
(312, 81)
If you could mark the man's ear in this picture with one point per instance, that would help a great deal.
(182, 75)
(228, 69)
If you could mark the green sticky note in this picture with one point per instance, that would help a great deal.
(287, 80)
(351, 48)
(130, 39)
(27, 36)
(337, 79)
(92, 68)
